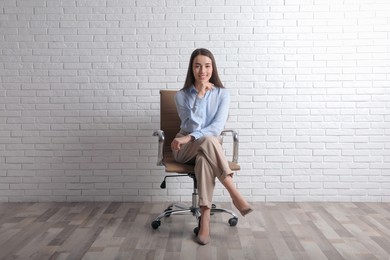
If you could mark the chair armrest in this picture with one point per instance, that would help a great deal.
(235, 143)
(161, 139)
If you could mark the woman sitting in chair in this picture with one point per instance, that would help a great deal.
(203, 105)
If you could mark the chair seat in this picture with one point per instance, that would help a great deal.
(172, 166)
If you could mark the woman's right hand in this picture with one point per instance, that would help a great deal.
(179, 141)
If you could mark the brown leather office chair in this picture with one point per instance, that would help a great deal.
(169, 127)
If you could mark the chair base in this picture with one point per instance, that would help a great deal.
(182, 209)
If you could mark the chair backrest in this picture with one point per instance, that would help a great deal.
(169, 118)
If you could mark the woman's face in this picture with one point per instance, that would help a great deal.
(202, 69)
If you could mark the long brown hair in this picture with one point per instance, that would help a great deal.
(190, 79)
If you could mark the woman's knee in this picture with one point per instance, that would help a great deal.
(211, 140)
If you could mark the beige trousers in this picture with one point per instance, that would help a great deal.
(210, 163)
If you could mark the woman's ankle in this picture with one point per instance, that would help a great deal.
(204, 228)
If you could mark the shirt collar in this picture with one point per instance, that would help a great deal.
(193, 89)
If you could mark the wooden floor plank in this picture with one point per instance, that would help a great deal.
(114, 230)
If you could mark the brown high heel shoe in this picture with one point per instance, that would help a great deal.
(244, 211)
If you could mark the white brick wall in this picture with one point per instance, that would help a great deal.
(310, 84)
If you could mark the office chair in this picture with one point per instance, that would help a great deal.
(169, 127)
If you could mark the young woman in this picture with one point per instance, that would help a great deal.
(203, 105)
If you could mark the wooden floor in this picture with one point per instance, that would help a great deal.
(123, 231)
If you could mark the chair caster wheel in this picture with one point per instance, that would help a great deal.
(156, 224)
(196, 231)
(233, 222)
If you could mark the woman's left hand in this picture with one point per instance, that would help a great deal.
(206, 86)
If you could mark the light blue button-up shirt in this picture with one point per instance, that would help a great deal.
(203, 116)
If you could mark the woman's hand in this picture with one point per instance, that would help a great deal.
(204, 88)
(179, 141)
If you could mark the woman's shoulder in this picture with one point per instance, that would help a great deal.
(182, 94)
